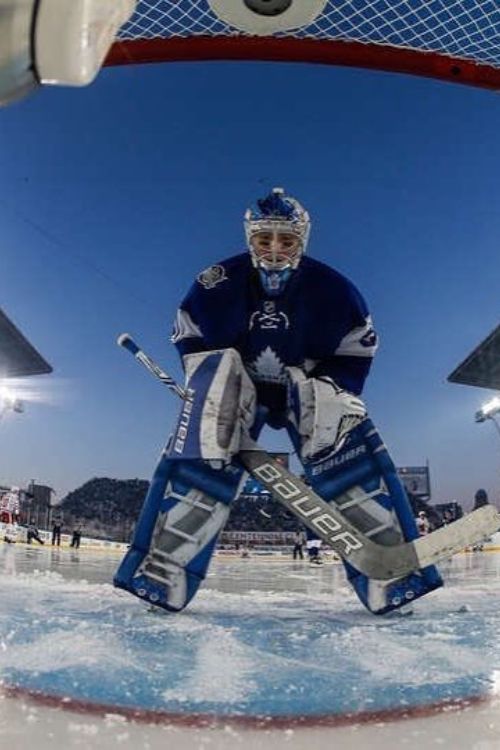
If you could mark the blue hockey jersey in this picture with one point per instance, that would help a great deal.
(319, 323)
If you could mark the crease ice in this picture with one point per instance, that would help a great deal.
(224, 671)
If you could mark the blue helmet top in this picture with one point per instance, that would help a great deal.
(277, 216)
(275, 205)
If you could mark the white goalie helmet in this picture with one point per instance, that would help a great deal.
(277, 232)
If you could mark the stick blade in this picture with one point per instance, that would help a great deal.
(453, 538)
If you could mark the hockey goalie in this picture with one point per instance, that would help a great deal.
(270, 337)
(55, 41)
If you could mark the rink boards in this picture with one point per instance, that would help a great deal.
(258, 551)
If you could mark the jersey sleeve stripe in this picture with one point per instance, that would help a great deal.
(184, 327)
(361, 341)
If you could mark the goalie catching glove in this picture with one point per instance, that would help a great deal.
(324, 414)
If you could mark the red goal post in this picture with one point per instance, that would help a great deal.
(452, 40)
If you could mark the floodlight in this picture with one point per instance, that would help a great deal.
(10, 401)
(7, 395)
(488, 410)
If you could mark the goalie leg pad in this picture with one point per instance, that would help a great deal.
(220, 403)
(381, 597)
(185, 509)
(362, 481)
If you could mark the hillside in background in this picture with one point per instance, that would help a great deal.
(107, 508)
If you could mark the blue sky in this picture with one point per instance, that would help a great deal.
(113, 197)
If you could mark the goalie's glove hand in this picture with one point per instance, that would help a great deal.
(323, 413)
(352, 403)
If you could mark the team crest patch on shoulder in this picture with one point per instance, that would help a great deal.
(210, 277)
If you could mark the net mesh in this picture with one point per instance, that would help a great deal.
(463, 30)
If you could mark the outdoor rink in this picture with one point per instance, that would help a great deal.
(271, 653)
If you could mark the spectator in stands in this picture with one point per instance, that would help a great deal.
(447, 517)
(77, 536)
(56, 531)
(423, 524)
(299, 539)
(480, 499)
(32, 533)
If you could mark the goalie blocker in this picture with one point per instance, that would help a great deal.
(189, 499)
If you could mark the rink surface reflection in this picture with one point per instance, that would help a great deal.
(264, 644)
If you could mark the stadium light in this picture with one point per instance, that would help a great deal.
(488, 411)
(10, 402)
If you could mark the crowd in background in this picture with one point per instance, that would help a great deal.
(11, 517)
(432, 517)
(252, 514)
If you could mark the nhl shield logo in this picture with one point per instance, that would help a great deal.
(269, 317)
(210, 277)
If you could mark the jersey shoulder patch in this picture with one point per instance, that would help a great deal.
(211, 276)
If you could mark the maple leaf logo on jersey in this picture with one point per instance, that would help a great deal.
(268, 367)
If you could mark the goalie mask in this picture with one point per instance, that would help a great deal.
(277, 232)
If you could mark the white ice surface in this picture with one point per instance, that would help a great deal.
(58, 608)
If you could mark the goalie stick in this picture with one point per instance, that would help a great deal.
(382, 562)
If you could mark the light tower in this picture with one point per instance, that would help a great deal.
(489, 410)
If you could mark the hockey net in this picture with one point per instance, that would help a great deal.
(448, 39)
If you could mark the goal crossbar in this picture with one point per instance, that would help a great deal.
(454, 40)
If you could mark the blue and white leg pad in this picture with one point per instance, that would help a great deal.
(186, 507)
(362, 481)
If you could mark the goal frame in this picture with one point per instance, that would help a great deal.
(290, 49)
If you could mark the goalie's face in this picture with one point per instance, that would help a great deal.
(276, 250)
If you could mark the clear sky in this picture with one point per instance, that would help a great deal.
(113, 197)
